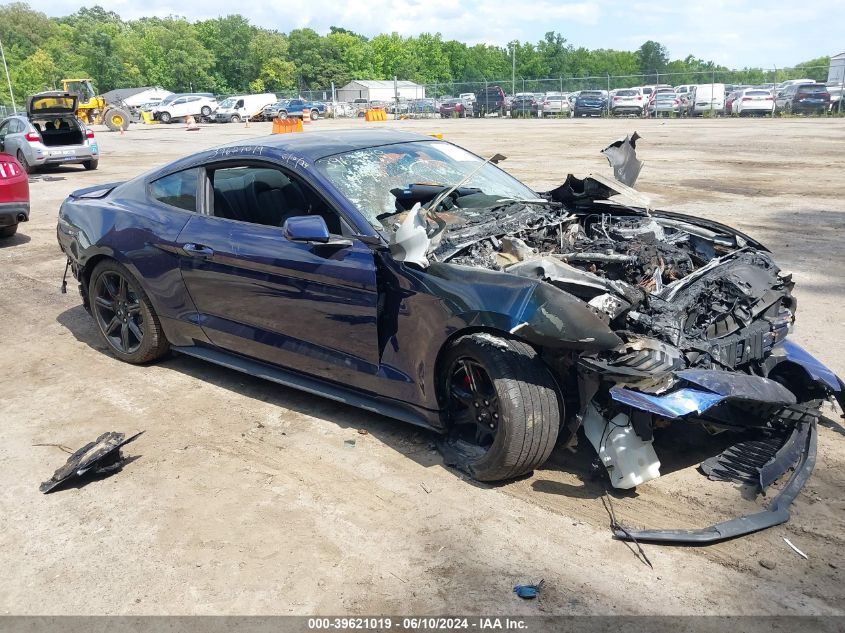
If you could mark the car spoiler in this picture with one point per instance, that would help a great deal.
(97, 191)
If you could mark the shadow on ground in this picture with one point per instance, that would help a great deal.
(16, 240)
(679, 446)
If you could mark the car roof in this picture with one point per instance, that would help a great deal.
(316, 145)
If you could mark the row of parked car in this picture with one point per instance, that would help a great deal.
(233, 109)
(793, 96)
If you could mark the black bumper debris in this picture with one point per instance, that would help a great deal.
(776, 513)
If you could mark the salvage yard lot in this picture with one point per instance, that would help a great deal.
(245, 497)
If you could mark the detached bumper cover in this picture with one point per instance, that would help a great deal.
(706, 389)
(776, 513)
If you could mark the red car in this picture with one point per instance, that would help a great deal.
(729, 101)
(14, 195)
(455, 108)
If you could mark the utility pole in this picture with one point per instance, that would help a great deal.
(513, 69)
(8, 79)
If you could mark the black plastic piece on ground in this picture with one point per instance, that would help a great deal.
(776, 513)
(100, 457)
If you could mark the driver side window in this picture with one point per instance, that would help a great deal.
(268, 196)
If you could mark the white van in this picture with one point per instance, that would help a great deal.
(707, 98)
(241, 107)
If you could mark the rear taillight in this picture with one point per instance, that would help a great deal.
(616, 98)
(9, 170)
(746, 98)
(89, 134)
(639, 98)
(32, 137)
(770, 98)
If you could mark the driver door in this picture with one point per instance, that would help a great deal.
(306, 306)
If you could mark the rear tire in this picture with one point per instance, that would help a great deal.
(22, 160)
(502, 405)
(8, 231)
(125, 318)
(91, 165)
(205, 110)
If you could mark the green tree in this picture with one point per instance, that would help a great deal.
(228, 40)
(653, 58)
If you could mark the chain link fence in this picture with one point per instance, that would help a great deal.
(732, 79)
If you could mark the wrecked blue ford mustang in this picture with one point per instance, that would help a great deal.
(407, 276)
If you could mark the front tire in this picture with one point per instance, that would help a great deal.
(124, 315)
(116, 119)
(236, 118)
(314, 115)
(8, 231)
(165, 117)
(502, 406)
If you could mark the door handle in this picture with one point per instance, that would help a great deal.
(197, 250)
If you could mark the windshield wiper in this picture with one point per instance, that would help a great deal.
(495, 158)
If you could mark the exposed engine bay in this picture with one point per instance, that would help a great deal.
(700, 312)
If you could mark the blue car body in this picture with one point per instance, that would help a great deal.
(352, 321)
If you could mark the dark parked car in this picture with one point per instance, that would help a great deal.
(803, 99)
(489, 101)
(455, 108)
(14, 195)
(423, 106)
(524, 106)
(590, 103)
(407, 276)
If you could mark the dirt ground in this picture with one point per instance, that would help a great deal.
(244, 499)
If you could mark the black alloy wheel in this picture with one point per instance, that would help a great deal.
(501, 407)
(117, 309)
(473, 404)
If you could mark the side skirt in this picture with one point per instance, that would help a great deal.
(377, 404)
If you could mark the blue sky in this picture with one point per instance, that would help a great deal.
(735, 33)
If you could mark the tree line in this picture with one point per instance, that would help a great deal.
(228, 54)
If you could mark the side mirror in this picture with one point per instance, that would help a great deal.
(306, 228)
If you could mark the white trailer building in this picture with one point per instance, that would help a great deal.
(836, 72)
(376, 90)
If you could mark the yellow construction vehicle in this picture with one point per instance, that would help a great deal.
(93, 108)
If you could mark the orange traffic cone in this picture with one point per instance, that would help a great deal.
(306, 116)
(191, 124)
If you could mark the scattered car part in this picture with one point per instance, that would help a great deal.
(776, 513)
(100, 457)
(622, 156)
(529, 592)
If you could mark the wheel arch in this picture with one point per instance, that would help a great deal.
(439, 360)
(87, 266)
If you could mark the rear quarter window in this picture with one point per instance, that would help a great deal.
(177, 190)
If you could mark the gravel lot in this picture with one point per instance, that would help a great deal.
(244, 500)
